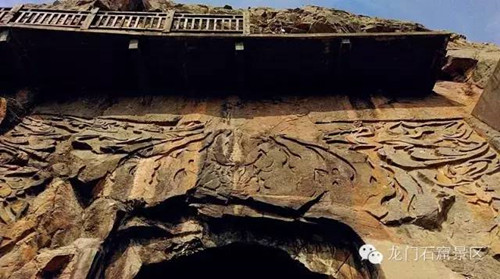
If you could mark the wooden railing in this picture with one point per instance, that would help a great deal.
(124, 21)
(4, 12)
(207, 23)
(71, 19)
(130, 21)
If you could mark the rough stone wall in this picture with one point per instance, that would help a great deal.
(470, 62)
(105, 188)
(487, 106)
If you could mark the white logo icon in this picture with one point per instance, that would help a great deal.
(368, 252)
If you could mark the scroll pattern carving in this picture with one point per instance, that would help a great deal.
(421, 166)
(44, 146)
(398, 171)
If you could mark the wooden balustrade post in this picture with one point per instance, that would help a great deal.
(168, 21)
(12, 13)
(246, 23)
(90, 18)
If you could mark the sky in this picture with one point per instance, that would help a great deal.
(479, 20)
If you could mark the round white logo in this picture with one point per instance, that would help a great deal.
(370, 253)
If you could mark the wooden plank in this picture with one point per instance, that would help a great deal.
(64, 18)
(130, 21)
(35, 18)
(71, 19)
(20, 17)
(51, 17)
(158, 26)
(122, 21)
(44, 16)
(26, 18)
(156, 23)
(114, 21)
(98, 21)
(107, 17)
(2, 14)
(54, 19)
(137, 20)
(198, 24)
(152, 23)
(79, 20)
(61, 19)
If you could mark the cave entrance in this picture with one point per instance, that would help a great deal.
(242, 261)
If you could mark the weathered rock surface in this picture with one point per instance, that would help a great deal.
(124, 187)
(85, 5)
(3, 109)
(471, 62)
(120, 192)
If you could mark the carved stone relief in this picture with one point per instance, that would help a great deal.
(420, 166)
(127, 172)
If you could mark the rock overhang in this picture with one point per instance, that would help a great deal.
(58, 56)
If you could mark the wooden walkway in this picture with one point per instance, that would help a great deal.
(159, 50)
(119, 22)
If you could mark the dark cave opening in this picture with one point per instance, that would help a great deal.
(242, 261)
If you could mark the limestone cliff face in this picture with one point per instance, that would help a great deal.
(93, 188)
(471, 62)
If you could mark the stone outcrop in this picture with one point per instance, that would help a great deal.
(3, 109)
(312, 19)
(470, 62)
(487, 107)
